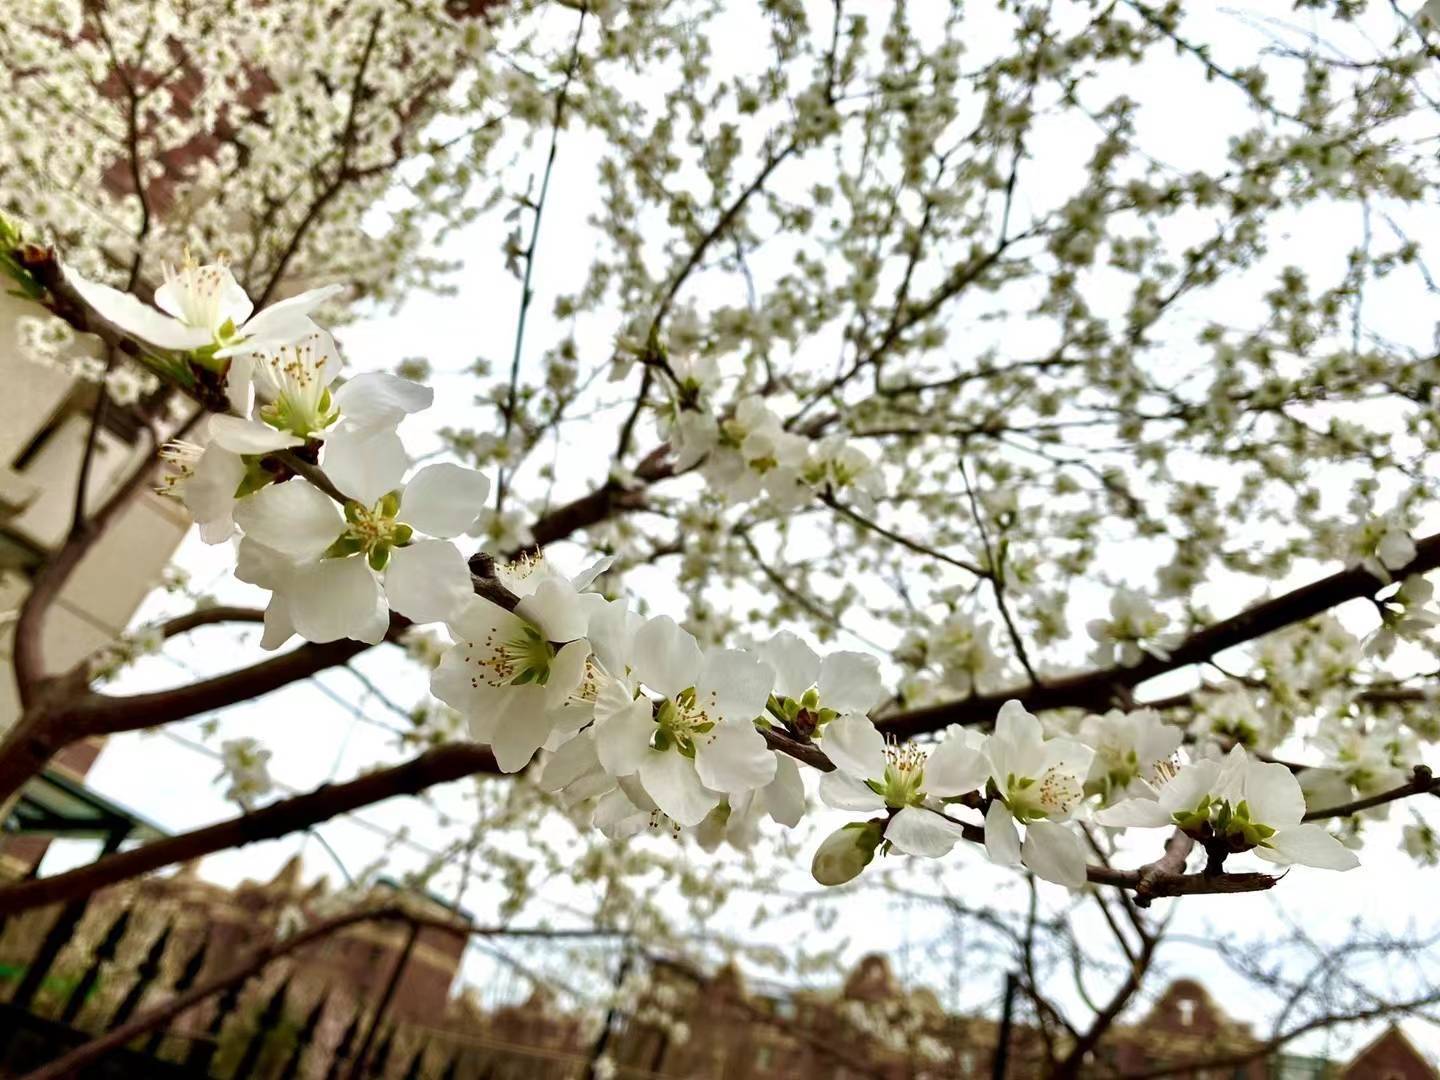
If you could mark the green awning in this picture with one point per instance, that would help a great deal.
(55, 806)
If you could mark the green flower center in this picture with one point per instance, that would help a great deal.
(372, 531)
(904, 781)
(1052, 795)
(679, 722)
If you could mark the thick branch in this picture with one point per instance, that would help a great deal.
(437, 766)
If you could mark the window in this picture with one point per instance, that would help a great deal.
(1187, 1011)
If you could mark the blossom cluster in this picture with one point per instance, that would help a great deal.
(646, 730)
(309, 472)
(641, 727)
(748, 451)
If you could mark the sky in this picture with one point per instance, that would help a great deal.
(333, 726)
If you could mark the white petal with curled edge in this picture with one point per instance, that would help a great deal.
(855, 746)
(623, 727)
(733, 757)
(586, 577)
(365, 465)
(954, 768)
(1002, 839)
(784, 796)
(850, 682)
(665, 657)
(292, 518)
(841, 791)
(1054, 853)
(734, 684)
(241, 436)
(1309, 845)
(138, 319)
(795, 664)
(444, 500)
(377, 399)
(923, 832)
(338, 598)
(670, 780)
(427, 581)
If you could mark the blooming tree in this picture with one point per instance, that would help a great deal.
(904, 342)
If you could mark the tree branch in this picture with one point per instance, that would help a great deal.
(438, 766)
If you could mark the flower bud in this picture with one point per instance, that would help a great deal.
(847, 851)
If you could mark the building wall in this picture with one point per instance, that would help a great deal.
(44, 421)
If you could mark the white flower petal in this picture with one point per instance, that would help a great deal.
(282, 323)
(1136, 813)
(842, 791)
(954, 768)
(1054, 853)
(855, 746)
(734, 685)
(444, 500)
(923, 832)
(850, 682)
(567, 671)
(1002, 839)
(378, 399)
(795, 664)
(338, 598)
(569, 763)
(292, 518)
(612, 632)
(665, 657)
(1309, 845)
(278, 628)
(670, 780)
(734, 757)
(623, 727)
(223, 299)
(209, 493)
(427, 581)
(138, 319)
(587, 577)
(1274, 794)
(521, 729)
(784, 797)
(558, 611)
(241, 436)
(365, 466)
